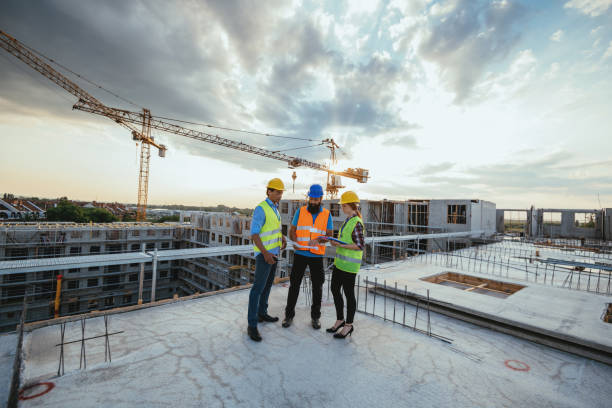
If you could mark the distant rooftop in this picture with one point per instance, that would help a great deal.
(84, 226)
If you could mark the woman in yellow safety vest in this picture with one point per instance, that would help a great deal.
(346, 264)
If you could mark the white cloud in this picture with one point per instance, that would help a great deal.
(361, 7)
(405, 34)
(439, 9)
(608, 52)
(507, 84)
(468, 40)
(596, 30)
(553, 71)
(557, 35)
(592, 8)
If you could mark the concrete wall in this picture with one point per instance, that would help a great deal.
(567, 227)
(488, 223)
(539, 223)
(499, 221)
(607, 224)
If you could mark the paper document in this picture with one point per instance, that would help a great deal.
(298, 246)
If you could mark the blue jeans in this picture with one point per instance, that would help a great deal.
(260, 291)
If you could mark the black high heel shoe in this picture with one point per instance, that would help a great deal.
(341, 336)
(335, 329)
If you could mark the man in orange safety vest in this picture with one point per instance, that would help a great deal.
(309, 222)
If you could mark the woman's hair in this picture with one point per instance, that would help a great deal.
(354, 208)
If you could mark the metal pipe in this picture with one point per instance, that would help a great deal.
(385, 302)
(58, 293)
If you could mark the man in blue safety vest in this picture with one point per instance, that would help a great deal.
(268, 241)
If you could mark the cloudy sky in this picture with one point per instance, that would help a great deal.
(507, 101)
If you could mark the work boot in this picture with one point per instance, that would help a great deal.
(316, 324)
(267, 318)
(287, 322)
(254, 333)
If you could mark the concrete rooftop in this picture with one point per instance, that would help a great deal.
(196, 353)
(567, 314)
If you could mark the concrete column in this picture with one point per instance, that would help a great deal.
(141, 278)
(154, 275)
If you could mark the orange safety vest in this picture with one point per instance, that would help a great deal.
(307, 230)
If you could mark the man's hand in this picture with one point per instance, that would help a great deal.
(269, 258)
(317, 241)
(284, 244)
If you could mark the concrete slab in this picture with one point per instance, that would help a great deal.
(8, 345)
(196, 353)
(569, 314)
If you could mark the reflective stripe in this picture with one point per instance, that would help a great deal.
(347, 259)
(311, 229)
(271, 241)
(267, 233)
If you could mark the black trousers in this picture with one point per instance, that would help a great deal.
(317, 276)
(346, 281)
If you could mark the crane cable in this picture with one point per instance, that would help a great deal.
(297, 148)
(237, 130)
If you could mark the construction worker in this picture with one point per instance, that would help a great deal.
(268, 241)
(309, 222)
(346, 264)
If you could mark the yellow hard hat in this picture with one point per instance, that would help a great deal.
(276, 184)
(348, 197)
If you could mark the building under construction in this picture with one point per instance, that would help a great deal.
(96, 287)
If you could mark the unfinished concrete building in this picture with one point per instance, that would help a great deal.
(88, 286)
(200, 229)
(96, 287)
(585, 224)
(403, 217)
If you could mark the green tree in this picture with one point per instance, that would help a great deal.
(98, 215)
(127, 217)
(175, 218)
(66, 211)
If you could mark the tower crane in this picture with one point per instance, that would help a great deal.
(141, 123)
